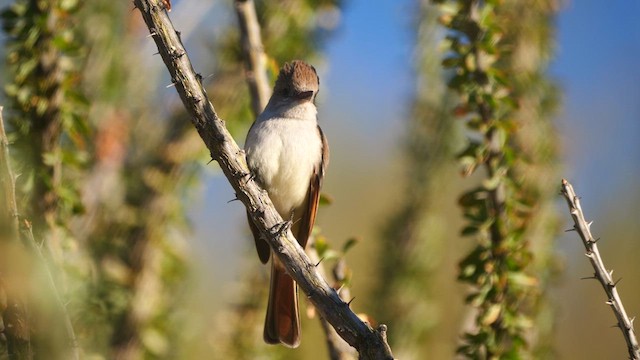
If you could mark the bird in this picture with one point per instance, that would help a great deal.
(287, 154)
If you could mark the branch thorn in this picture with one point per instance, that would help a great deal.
(592, 277)
(617, 281)
(282, 228)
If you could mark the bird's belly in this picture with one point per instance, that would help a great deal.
(285, 161)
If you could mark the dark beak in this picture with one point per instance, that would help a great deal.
(305, 95)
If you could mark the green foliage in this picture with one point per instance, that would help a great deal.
(47, 110)
(46, 113)
(499, 209)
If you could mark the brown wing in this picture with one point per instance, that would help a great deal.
(309, 216)
(261, 245)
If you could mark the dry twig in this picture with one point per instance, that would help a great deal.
(583, 228)
(29, 241)
(255, 59)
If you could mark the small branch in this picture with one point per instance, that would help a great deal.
(15, 316)
(583, 228)
(9, 189)
(8, 182)
(370, 343)
(255, 57)
(338, 348)
(68, 325)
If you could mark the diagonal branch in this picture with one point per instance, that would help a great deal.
(583, 228)
(370, 343)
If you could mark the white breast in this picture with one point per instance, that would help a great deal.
(282, 153)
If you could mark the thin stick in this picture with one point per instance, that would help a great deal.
(68, 325)
(370, 343)
(9, 188)
(8, 181)
(583, 228)
(255, 58)
(15, 316)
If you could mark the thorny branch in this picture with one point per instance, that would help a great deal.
(583, 228)
(6, 175)
(370, 343)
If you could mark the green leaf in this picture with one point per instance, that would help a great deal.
(522, 280)
(325, 199)
(330, 255)
(469, 230)
(491, 315)
(493, 182)
(450, 62)
(321, 245)
(351, 242)
(69, 5)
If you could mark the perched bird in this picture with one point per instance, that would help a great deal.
(287, 154)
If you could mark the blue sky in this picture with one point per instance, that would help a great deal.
(596, 66)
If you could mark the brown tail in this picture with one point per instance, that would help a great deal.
(283, 323)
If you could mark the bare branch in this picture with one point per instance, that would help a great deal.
(68, 325)
(338, 348)
(583, 228)
(15, 327)
(6, 176)
(8, 181)
(255, 59)
(370, 343)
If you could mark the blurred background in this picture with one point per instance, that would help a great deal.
(156, 262)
